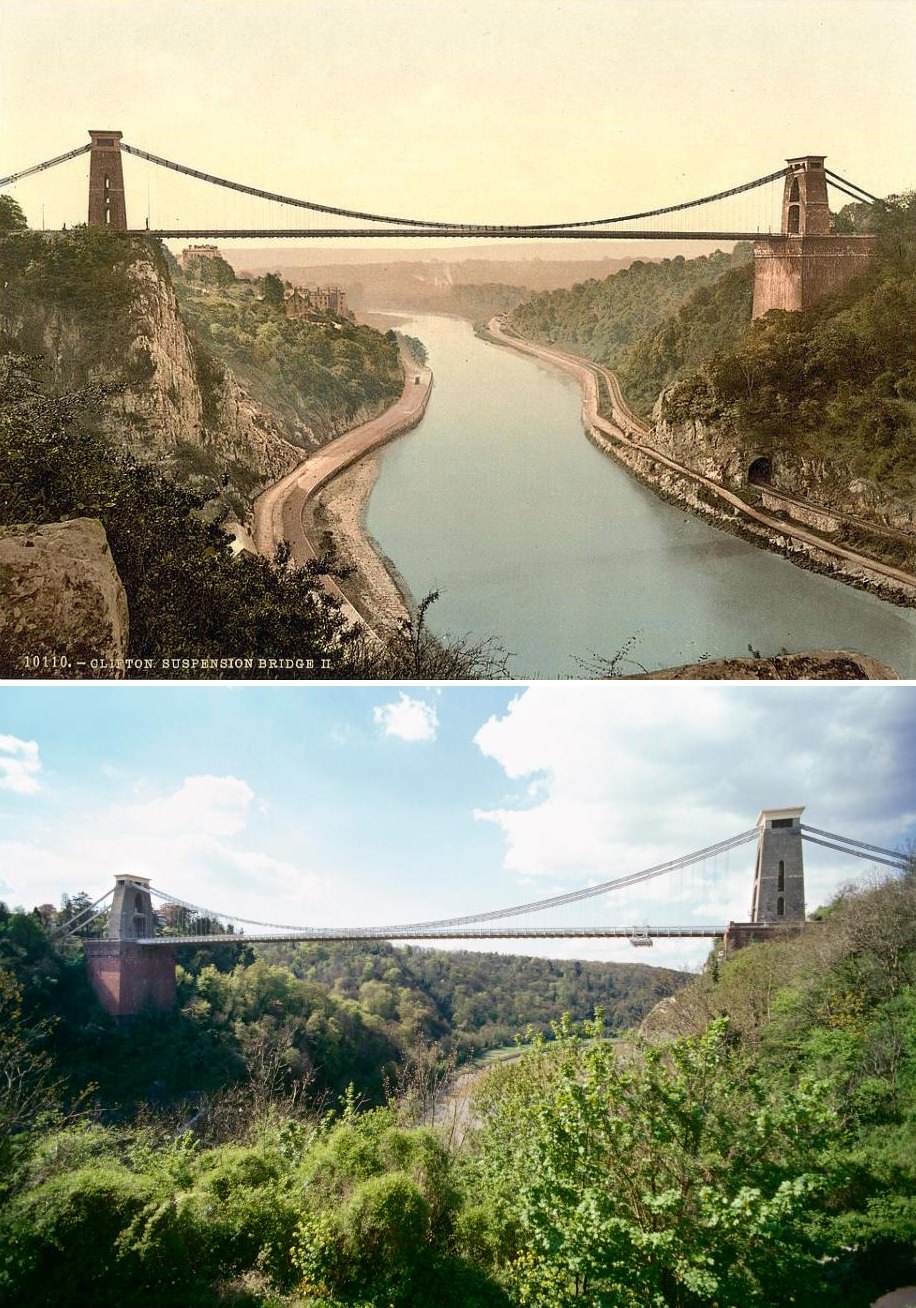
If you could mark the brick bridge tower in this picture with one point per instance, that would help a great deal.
(127, 976)
(107, 207)
(807, 262)
(778, 906)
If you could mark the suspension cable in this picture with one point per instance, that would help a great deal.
(846, 182)
(846, 191)
(426, 222)
(89, 914)
(845, 849)
(535, 906)
(48, 163)
(809, 833)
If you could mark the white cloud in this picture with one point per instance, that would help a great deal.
(215, 806)
(616, 779)
(187, 843)
(19, 765)
(407, 719)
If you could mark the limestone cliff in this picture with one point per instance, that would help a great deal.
(722, 451)
(174, 403)
(189, 397)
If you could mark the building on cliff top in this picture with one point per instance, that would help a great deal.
(303, 301)
(199, 252)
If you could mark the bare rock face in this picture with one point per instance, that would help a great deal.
(63, 610)
(170, 396)
(720, 451)
(183, 398)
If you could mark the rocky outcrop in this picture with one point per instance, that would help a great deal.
(185, 396)
(63, 610)
(722, 452)
(814, 665)
(172, 402)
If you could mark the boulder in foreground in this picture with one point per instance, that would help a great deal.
(63, 609)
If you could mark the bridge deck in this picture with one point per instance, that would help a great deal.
(434, 233)
(463, 933)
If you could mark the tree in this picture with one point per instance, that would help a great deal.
(410, 649)
(29, 1086)
(210, 271)
(12, 219)
(186, 593)
(272, 289)
(666, 1176)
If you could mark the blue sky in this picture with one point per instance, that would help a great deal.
(328, 805)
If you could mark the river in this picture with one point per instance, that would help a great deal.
(530, 534)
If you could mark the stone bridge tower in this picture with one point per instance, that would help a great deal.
(779, 878)
(807, 262)
(107, 207)
(127, 976)
(778, 904)
(805, 208)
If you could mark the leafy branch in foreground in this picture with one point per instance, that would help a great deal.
(408, 649)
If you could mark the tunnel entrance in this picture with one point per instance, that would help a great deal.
(758, 474)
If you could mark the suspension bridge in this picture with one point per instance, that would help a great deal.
(260, 212)
(798, 259)
(132, 966)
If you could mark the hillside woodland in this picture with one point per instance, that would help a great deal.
(320, 375)
(751, 1144)
(632, 320)
(833, 384)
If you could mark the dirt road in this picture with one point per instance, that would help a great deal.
(278, 510)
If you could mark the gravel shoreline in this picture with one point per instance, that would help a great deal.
(336, 519)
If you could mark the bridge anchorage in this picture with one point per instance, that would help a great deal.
(798, 266)
(132, 967)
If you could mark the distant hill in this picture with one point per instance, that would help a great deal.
(470, 287)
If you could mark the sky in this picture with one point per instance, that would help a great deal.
(495, 110)
(336, 805)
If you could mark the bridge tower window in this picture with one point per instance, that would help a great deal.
(794, 222)
(780, 907)
(794, 193)
(781, 876)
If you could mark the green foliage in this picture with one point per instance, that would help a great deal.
(29, 1085)
(189, 597)
(839, 1003)
(318, 377)
(211, 271)
(59, 1240)
(709, 321)
(12, 219)
(475, 1001)
(756, 1148)
(414, 347)
(80, 277)
(657, 1176)
(272, 290)
(603, 319)
(835, 382)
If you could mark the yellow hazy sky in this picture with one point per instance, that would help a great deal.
(501, 110)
